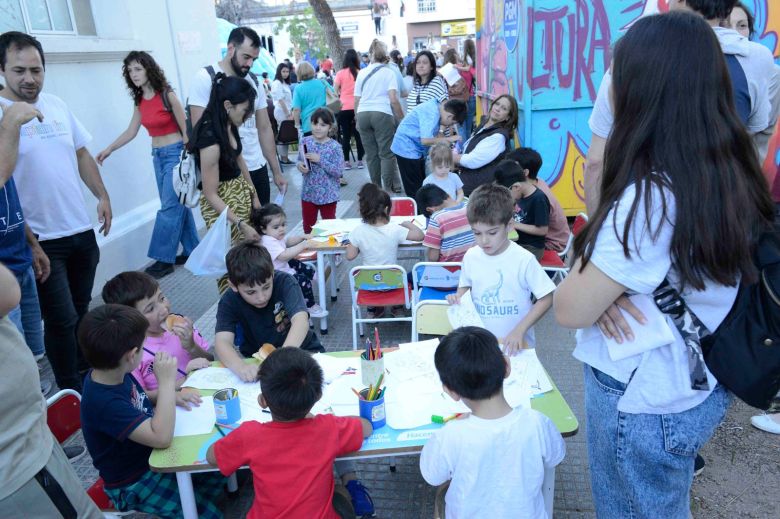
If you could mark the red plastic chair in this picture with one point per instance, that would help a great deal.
(552, 263)
(579, 222)
(403, 206)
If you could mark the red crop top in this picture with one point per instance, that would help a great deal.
(155, 118)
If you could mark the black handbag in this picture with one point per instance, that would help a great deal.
(288, 134)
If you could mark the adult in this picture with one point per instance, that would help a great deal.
(257, 135)
(649, 413)
(218, 151)
(327, 65)
(427, 85)
(488, 145)
(281, 95)
(310, 95)
(419, 130)
(377, 16)
(468, 72)
(48, 164)
(293, 76)
(345, 88)
(364, 60)
(157, 108)
(378, 108)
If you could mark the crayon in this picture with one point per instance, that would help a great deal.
(438, 419)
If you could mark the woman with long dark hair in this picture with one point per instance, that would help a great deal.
(157, 108)
(427, 85)
(682, 199)
(217, 146)
(345, 88)
(281, 95)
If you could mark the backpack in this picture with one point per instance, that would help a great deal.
(186, 179)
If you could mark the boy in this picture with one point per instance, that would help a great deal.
(558, 229)
(120, 425)
(441, 174)
(291, 458)
(501, 275)
(142, 292)
(448, 235)
(500, 473)
(532, 209)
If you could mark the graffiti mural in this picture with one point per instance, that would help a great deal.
(552, 54)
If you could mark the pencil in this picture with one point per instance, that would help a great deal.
(357, 393)
(219, 430)
(376, 340)
(150, 352)
(370, 392)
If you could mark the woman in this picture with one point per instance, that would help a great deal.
(677, 145)
(157, 108)
(282, 98)
(741, 20)
(377, 15)
(468, 72)
(377, 107)
(427, 85)
(345, 88)
(485, 149)
(308, 96)
(217, 147)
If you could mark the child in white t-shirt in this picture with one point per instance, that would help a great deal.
(495, 457)
(377, 239)
(270, 222)
(441, 174)
(501, 275)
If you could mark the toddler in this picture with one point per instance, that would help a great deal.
(441, 172)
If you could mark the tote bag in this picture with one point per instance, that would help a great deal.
(208, 258)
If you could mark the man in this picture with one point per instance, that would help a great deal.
(46, 156)
(365, 60)
(257, 136)
(327, 65)
(752, 76)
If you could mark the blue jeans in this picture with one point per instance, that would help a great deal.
(641, 465)
(174, 222)
(27, 314)
(468, 125)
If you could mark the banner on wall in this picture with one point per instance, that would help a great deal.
(458, 28)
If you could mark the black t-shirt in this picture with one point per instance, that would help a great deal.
(532, 210)
(205, 137)
(268, 324)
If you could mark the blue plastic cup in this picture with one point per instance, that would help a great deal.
(373, 410)
(227, 406)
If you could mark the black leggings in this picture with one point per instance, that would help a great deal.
(346, 120)
(412, 174)
(261, 184)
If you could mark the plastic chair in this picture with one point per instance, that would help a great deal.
(377, 285)
(556, 264)
(403, 206)
(435, 280)
(430, 318)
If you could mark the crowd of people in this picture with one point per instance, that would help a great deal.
(674, 128)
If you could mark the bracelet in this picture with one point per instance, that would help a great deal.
(238, 224)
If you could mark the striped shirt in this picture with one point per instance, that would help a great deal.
(449, 231)
(435, 89)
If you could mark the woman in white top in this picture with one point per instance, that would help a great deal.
(681, 198)
(427, 85)
(282, 98)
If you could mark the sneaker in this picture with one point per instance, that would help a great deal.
(347, 166)
(46, 386)
(765, 423)
(698, 466)
(74, 452)
(343, 181)
(360, 164)
(361, 499)
(317, 311)
(398, 311)
(159, 269)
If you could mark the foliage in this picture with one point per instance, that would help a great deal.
(231, 10)
(305, 33)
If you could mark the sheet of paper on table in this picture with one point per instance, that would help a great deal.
(334, 367)
(217, 378)
(464, 314)
(198, 420)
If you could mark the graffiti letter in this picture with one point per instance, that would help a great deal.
(548, 17)
(565, 51)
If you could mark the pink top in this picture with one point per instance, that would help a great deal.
(276, 247)
(170, 343)
(346, 84)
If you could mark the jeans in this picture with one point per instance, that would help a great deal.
(27, 314)
(641, 465)
(64, 299)
(174, 222)
(468, 125)
(346, 120)
(261, 184)
(376, 131)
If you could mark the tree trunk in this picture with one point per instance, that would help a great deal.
(324, 16)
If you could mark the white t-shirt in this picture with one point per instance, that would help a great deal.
(47, 172)
(378, 245)
(274, 248)
(661, 383)
(502, 285)
(375, 96)
(496, 466)
(200, 90)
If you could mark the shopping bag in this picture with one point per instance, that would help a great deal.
(208, 258)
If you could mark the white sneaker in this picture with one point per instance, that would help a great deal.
(317, 311)
(360, 164)
(765, 423)
(347, 165)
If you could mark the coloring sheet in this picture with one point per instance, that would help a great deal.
(464, 314)
(198, 420)
(217, 378)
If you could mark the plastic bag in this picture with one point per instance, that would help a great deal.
(208, 258)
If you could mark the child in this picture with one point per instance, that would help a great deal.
(442, 175)
(291, 458)
(377, 239)
(501, 275)
(448, 235)
(271, 223)
(558, 230)
(120, 425)
(320, 190)
(496, 456)
(142, 292)
(532, 209)
(268, 305)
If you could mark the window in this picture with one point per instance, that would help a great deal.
(426, 6)
(47, 17)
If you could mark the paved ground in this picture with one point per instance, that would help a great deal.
(743, 471)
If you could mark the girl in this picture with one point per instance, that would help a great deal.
(676, 146)
(271, 222)
(320, 190)
(158, 110)
(442, 175)
(282, 98)
(377, 238)
(345, 88)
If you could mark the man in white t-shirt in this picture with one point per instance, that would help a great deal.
(49, 160)
(257, 136)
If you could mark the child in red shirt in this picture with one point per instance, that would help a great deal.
(291, 458)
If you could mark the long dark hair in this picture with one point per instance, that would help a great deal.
(352, 62)
(431, 59)
(154, 74)
(676, 129)
(278, 76)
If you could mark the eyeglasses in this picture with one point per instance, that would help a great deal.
(418, 98)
